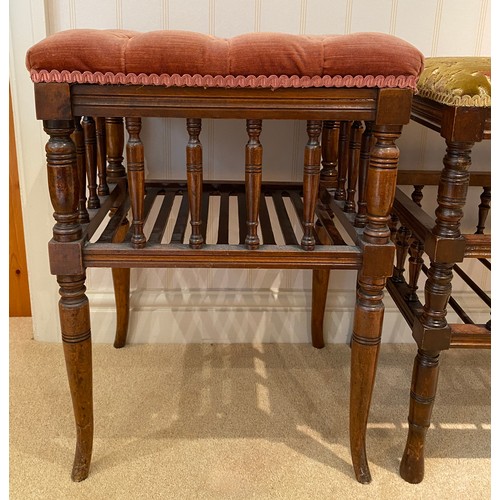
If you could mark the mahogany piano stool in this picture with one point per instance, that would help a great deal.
(453, 99)
(355, 93)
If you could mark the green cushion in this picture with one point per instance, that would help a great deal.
(457, 81)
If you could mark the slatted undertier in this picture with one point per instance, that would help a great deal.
(167, 230)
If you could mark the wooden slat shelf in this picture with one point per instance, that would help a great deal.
(463, 335)
(467, 334)
(103, 252)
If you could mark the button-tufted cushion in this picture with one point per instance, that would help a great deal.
(457, 81)
(182, 58)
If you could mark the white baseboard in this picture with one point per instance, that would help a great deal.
(248, 316)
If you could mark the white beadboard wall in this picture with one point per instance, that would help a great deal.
(231, 305)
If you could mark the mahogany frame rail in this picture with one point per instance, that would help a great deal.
(95, 146)
(441, 239)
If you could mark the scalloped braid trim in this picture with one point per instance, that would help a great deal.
(466, 101)
(228, 81)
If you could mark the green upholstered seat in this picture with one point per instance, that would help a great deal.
(457, 81)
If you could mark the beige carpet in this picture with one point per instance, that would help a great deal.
(239, 422)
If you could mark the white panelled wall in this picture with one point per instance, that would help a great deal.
(229, 305)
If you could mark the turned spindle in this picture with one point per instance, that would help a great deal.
(135, 169)
(100, 133)
(312, 159)
(353, 170)
(77, 136)
(194, 168)
(415, 263)
(253, 181)
(343, 160)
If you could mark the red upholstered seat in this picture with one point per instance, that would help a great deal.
(182, 58)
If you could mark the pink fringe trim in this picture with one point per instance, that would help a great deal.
(229, 81)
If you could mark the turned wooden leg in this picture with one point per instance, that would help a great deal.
(312, 159)
(369, 311)
(319, 294)
(121, 285)
(75, 327)
(62, 174)
(423, 389)
(253, 181)
(431, 330)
